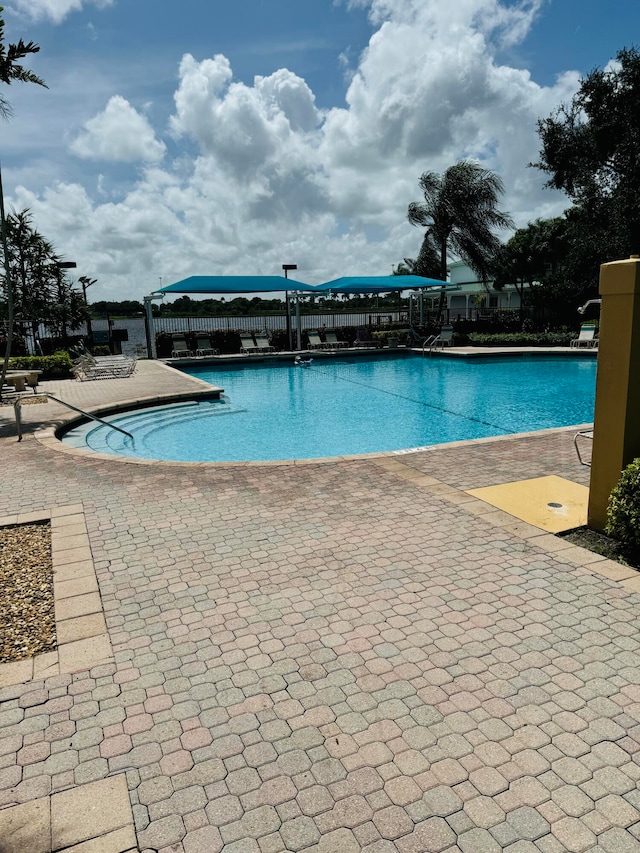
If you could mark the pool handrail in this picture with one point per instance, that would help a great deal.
(17, 410)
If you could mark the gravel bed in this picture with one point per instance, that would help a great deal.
(27, 616)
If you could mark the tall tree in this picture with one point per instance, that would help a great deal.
(11, 70)
(460, 214)
(41, 290)
(427, 263)
(533, 256)
(590, 150)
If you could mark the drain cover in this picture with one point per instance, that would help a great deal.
(554, 504)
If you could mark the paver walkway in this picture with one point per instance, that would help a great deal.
(337, 657)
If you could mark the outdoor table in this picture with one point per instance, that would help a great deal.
(22, 378)
(18, 379)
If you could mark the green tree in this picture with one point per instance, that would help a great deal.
(533, 256)
(31, 260)
(41, 290)
(590, 151)
(427, 263)
(11, 70)
(126, 308)
(460, 214)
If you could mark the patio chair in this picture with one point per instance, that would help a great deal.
(363, 340)
(116, 367)
(332, 341)
(262, 342)
(587, 337)
(444, 339)
(248, 345)
(314, 341)
(179, 348)
(203, 346)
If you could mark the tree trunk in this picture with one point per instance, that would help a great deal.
(5, 247)
(443, 277)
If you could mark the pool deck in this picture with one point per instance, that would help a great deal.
(349, 655)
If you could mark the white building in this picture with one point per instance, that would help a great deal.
(466, 294)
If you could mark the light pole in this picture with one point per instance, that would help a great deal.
(286, 268)
(84, 281)
(63, 265)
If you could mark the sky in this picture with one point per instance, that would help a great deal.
(218, 138)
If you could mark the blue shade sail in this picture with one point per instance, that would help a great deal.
(378, 283)
(236, 284)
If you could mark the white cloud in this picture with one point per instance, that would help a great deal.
(264, 177)
(119, 133)
(242, 126)
(55, 10)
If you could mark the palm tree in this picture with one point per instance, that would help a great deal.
(460, 214)
(10, 70)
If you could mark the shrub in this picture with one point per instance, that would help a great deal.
(56, 366)
(522, 339)
(101, 350)
(623, 510)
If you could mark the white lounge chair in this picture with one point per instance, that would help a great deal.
(315, 342)
(587, 337)
(444, 339)
(262, 343)
(109, 367)
(364, 340)
(331, 341)
(179, 348)
(248, 345)
(203, 346)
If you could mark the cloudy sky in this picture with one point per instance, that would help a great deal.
(216, 138)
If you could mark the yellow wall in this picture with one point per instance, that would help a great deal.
(616, 440)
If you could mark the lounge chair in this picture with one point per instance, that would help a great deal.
(262, 342)
(180, 348)
(362, 340)
(203, 346)
(587, 337)
(444, 339)
(314, 341)
(248, 345)
(332, 341)
(110, 367)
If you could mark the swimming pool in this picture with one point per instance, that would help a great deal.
(345, 406)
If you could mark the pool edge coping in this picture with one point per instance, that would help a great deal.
(50, 437)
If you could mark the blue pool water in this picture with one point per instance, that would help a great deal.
(351, 406)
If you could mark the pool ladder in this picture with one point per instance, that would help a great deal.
(17, 407)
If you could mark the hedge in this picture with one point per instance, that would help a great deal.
(522, 339)
(56, 366)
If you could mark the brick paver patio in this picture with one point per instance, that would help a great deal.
(347, 656)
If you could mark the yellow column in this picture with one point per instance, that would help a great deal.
(616, 437)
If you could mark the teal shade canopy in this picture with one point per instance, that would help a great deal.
(236, 284)
(378, 283)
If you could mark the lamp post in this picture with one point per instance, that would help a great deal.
(286, 268)
(86, 282)
(63, 265)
